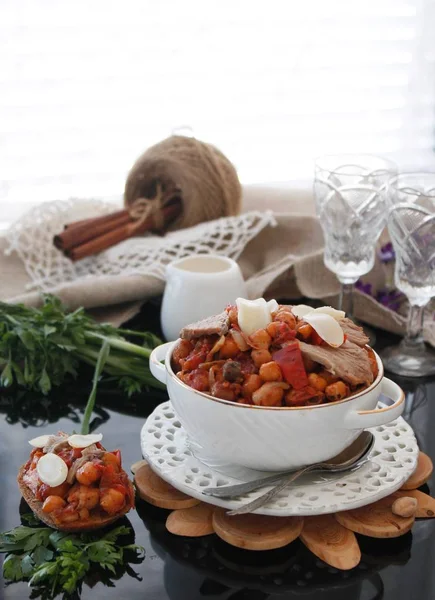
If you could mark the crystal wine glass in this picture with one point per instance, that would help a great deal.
(411, 224)
(351, 201)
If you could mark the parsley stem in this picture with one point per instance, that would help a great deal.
(102, 358)
(120, 344)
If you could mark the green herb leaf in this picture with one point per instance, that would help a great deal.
(12, 568)
(27, 565)
(41, 554)
(44, 382)
(40, 348)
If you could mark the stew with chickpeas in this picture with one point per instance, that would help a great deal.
(268, 367)
(96, 486)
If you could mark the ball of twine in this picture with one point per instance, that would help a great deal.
(185, 169)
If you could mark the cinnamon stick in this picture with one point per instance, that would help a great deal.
(120, 233)
(83, 231)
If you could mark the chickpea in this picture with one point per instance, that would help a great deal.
(53, 503)
(84, 514)
(273, 329)
(252, 384)
(68, 516)
(285, 308)
(197, 379)
(270, 371)
(260, 357)
(304, 330)
(260, 339)
(112, 501)
(230, 349)
(88, 473)
(59, 490)
(181, 351)
(83, 496)
(336, 391)
(111, 459)
(327, 376)
(270, 394)
(317, 382)
(305, 397)
(286, 317)
(225, 390)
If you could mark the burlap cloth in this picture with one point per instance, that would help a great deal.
(282, 261)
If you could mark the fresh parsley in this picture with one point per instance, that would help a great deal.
(53, 562)
(40, 348)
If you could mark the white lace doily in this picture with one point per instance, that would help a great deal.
(392, 460)
(32, 238)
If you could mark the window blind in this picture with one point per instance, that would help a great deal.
(86, 86)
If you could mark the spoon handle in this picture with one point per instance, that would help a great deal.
(238, 489)
(267, 496)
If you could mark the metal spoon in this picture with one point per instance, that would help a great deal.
(352, 456)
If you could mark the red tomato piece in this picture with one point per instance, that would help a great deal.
(285, 334)
(292, 366)
(198, 380)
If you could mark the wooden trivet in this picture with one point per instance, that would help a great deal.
(330, 537)
(421, 474)
(192, 522)
(256, 532)
(331, 542)
(158, 492)
(376, 520)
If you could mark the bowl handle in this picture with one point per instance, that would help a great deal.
(157, 355)
(362, 419)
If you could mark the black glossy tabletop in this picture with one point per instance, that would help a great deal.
(206, 568)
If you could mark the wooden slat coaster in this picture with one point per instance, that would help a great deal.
(376, 520)
(331, 542)
(192, 522)
(421, 474)
(256, 532)
(425, 503)
(157, 492)
(137, 465)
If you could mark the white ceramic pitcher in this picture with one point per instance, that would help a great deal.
(198, 286)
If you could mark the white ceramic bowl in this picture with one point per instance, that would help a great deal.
(273, 438)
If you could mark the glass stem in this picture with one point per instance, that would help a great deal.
(345, 301)
(414, 328)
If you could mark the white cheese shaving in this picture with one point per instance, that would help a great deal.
(300, 310)
(52, 470)
(40, 442)
(253, 315)
(326, 327)
(273, 306)
(338, 315)
(83, 441)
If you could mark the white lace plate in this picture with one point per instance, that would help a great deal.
(393, 459)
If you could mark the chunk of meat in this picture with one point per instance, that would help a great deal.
(349, 362)
(354, 333)
(216, 325)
